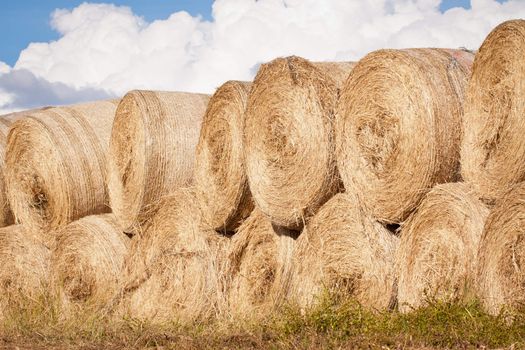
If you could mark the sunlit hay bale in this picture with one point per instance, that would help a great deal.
(399, 127)
(501, 268)
(437, 254)
(174, 271)
(493, 148)
(289, 138)
(344, 251)
(220, 175)
(56, 164)
(87, 260)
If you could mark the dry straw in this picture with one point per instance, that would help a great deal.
(220, 176)
(152, 150)
(87, 260)
(259, 262)
(175, 268)
(399, 126)
(55, 164)
(343, 250)
(493, 149)
(289, 138)
(501, 271)
(437, 254)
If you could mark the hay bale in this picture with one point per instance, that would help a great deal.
(87, 259)
(55, 164)
(399, 127)
(493, 148)
(343, 250)
(152, 150)
(258, 260)
(288, 138)
(174, 270)
(220, 177)
(436, 258)
(501, 271)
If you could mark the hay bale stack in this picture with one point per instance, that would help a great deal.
(501, 271)
(174, 270)
(493, 148)
(24, 263)
(87, 259)
(437, 254)
(289, 138)
(56, 164)
(259, 262)
(344, 251)
(220, 176)
(152, 150)
(399, 127)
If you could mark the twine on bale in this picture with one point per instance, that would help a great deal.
(399, 127)
(493, 148)
(87, 260)
(55, 164)
(175, 268)
(437, 253)
(259, 261)
(152, 149)
(288, 138)
(501, 272)
(343, 250)
(220, 176)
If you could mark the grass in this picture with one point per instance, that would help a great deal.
(334, 323)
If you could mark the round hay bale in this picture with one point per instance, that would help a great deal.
(342, 250)
(493, 147)
(56, 164)
(220, 177)
(501, 255)
(87, 259)
(436, 258)
(174, 270)
(258, 260)
(152, 150)
(399, 127)
(24, 263)
(288, 138)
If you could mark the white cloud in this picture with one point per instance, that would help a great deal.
(108, 48)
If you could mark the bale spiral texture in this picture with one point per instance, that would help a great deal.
(259, 259)
(437, 254)
(399, 127)
(56, 164)
(152, 150)
(220, 176)
(493, 148)
(501, 267)
(174, 270)
(87, 259)
(343, 250)
(288, 138)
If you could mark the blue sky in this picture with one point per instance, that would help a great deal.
(26, 21)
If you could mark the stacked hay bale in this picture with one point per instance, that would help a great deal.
(220, 177)
(87, 260)
(437, 254)
(151, 153)
(343, 250)
(399, 127)
(493, 148)
(289, 138)
(56, 164)
(501, 271)
(259, 262)
(175, 268)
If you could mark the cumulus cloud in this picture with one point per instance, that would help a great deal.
(107, 48)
